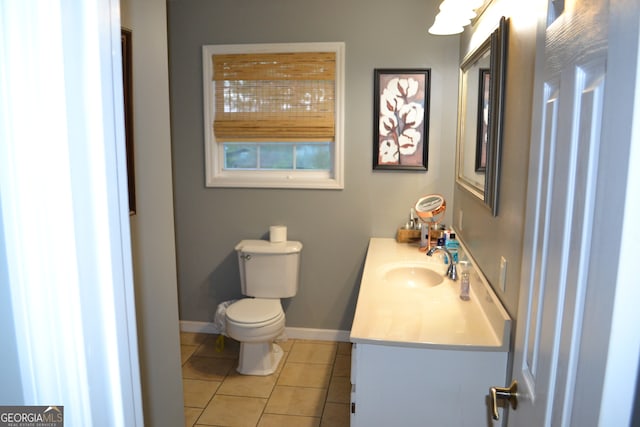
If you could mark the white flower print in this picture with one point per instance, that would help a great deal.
(411, 115)
(388, 151)
(408, 141)
(388, 124)
(403, 88)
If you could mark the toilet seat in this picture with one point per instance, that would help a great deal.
(255, 312)
(253, 320)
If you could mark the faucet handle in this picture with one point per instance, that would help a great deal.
(433, 249)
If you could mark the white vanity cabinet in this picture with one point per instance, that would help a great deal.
(421, 356)
(407, 386)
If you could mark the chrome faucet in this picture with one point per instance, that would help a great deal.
(452, 271)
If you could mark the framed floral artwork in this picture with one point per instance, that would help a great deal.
(401, 119)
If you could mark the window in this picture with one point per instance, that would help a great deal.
(274, 115)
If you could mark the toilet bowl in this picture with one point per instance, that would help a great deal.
(256, 323)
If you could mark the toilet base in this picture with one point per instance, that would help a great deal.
(260, 358)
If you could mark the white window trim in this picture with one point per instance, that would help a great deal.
(216, 176)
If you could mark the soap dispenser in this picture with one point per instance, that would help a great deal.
(464, 280)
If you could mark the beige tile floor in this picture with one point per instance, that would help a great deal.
(310, 389)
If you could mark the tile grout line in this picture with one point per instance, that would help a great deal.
(211, 398)
(333, 368)
(275, 383)
(202, 410)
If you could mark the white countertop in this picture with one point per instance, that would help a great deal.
(425, 317)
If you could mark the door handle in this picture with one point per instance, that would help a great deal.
(509, 393)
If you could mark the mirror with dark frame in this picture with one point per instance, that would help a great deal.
(480, 117)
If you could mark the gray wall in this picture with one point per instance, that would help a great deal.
(486, 236)
(334, 226)
(152, 235)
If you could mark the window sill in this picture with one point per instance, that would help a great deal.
(277, 180)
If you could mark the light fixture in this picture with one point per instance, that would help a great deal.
(454, 15)
(451, 8)
(443, 26)
(454, 19)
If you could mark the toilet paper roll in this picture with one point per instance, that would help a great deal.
(277, 233)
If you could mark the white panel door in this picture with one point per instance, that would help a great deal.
(568, 279)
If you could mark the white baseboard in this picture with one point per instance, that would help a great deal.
(198, 327)
(295, 333)
(318, 334)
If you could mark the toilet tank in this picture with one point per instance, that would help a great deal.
(269, 270)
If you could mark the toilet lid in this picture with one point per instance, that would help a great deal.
(254, 310)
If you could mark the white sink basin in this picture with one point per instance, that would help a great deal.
(412, 275)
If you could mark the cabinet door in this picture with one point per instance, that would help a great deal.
(354, 370)
(418, 386)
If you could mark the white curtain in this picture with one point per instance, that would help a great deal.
(64, 209)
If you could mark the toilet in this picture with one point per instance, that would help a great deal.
(268, 272)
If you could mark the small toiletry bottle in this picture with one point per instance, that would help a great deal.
(411, 223)
(464, 280)
(424, 236)
(453, 245)
(437, 234)
(440, 255)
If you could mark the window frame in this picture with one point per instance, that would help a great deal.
(217, 176)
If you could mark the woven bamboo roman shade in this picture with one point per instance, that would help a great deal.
(274, 96)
